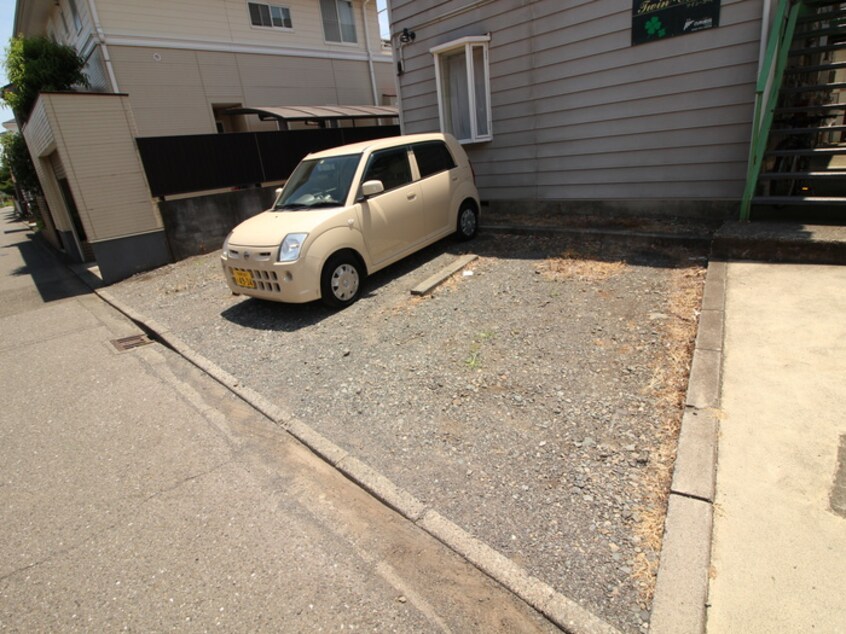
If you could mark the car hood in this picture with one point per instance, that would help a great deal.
(269, 228)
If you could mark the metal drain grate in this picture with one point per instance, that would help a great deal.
(128, 343)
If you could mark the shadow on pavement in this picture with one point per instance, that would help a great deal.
(52, 280)
(265, 315)
(272, 316)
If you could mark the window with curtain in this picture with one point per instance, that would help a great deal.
(463, 84)
(338, 21)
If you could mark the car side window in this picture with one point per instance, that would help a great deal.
(432, 157)
(389, 166)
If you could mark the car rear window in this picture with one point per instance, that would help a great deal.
(432, 157)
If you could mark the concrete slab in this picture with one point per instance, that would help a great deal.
(779, 556)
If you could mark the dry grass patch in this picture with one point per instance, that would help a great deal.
(669, 386)
(570, 266)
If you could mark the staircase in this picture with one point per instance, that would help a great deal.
(798, 155)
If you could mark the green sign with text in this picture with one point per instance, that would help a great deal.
(659, 19)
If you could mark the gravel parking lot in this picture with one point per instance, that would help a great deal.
(533, 399)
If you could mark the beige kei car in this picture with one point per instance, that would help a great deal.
(347, 212)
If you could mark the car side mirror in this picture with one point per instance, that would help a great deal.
(278, 190)
(371, 188)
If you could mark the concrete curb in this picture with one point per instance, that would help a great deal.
(560, 610)
(429, 284)
(681, 590)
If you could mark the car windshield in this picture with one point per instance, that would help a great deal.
(318, 183)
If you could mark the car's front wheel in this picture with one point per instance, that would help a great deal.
(468, 221)
(340, 282)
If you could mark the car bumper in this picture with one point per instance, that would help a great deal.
(292, 282)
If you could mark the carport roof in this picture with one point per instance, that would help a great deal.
(317, 113)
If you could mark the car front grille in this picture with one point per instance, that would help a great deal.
(266, 281)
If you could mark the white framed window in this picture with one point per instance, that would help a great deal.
(464, 88)
(338, 21)
(270, 15)
(65, 21)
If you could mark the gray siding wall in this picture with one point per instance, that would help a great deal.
(581, 114)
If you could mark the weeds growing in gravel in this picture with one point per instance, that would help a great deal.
(474, 358)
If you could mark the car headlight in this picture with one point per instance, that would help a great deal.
(226, 245)
(290, 249)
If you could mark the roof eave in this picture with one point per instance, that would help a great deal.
(31, 17)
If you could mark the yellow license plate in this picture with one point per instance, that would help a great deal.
(243, 278)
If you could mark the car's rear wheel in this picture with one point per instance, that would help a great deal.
(340, 282)
(468, 221)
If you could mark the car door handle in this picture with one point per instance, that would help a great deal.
(411, 196)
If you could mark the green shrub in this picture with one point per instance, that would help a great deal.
(38, 64)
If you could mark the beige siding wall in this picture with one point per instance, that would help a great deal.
(173, 91)
(41, 142)
(94, 137)
(177, 60)
(37, 131)
(580, 113)
(227, 21)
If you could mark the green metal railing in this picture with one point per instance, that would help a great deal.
(766, 93)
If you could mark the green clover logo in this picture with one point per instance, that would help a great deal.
(653, 26)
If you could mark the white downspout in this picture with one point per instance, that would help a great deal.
(765, 30)
(101, 38)
(396, 76)
(369, 53)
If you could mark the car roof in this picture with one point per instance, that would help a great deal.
(376, 144)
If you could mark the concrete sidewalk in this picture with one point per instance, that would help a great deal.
(138, 493)
(779, 546)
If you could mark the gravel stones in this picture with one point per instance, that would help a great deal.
(524, 402)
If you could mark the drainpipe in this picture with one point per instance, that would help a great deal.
(101, 39)
(369, 53)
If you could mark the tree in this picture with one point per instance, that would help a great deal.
(38, 64)
(17, 160)
(7, 185)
